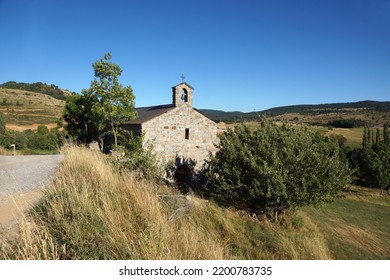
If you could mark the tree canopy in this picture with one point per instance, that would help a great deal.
(103, 106)
(275, 168)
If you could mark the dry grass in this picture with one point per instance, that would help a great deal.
(93, 212)
(24, 108)
(6, 152)
(360, 238)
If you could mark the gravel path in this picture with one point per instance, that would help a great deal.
(26, 173)
(21, 179)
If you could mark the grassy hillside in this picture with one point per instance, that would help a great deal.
(24, 109)
(372, 113)
(51, 90)
(94, 212)
(357, 226)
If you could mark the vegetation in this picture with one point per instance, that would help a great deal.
(41, 139)
(23, 109)
(275, 168)
(372, 161)
(80, 119)
(106, 104)
(38, 141)
(355, 227)
(93, 211)
(302, 110)
(51, 90)
(351, 123)
(2, 127)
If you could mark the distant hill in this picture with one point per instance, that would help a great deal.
(26, 110)
(319, 109)
(51, 90)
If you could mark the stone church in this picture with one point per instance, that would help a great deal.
(177, 133)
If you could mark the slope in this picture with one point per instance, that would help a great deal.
(24, 109)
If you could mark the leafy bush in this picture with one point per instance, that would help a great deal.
(41, 139)
(275, 168)
(131, 155)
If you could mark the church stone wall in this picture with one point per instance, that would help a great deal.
(167, 135)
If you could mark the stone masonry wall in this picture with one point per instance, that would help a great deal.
(166, 134)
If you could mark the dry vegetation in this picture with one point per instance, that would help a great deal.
(28, 109)
(93, 211)
(323, 117)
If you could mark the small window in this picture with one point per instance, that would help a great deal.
(187, 134)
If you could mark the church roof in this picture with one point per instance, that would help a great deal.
(147, 113)
(183, 83)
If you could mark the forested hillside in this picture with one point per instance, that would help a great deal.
(51, 90)
(343, 110)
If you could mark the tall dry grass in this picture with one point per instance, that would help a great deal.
(93, 211)
(5, 152)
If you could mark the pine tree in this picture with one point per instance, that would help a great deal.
(378, 137)
(365, 137)
(368, 137)
(386, 134)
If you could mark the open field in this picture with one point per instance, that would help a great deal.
(353, 135)
(370, 117)
(95, 212)
(24, 109)
(358, 226)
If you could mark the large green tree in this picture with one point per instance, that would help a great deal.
(274, 168)
(115, 102)
(101, 108)
(80, 119)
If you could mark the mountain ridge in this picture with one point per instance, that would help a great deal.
(233, 116)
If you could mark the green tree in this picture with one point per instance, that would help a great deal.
(378, 137)
(115, 103)
(275, 168)
(372, 164)
(386, 134)
(368, 137)
(80, 118)
(365, 141)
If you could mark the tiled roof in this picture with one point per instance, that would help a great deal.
(147, 113)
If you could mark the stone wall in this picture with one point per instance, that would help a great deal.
(167, 135)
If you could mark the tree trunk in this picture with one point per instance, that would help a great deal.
(115, 134)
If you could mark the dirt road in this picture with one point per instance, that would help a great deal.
(22, 179)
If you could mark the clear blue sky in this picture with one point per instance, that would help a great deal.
(238, 55)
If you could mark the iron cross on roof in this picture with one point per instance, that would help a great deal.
(182, 77)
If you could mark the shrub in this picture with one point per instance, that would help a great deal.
(351, 123)
(275, 168)
(133, 156)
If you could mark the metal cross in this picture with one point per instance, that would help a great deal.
(182, 77)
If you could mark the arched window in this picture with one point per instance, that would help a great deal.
(184, 95)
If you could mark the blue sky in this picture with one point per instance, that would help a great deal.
(240, 55)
